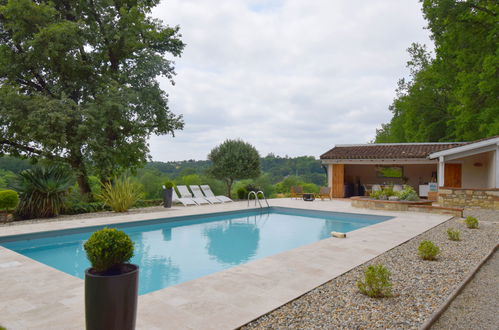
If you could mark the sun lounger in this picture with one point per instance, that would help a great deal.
(325, 192)
(184, 192)
(208, 193)
(199, 194)
(184, 201)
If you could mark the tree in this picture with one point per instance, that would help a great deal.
(234, 160)
(78, 82)
(452, 95)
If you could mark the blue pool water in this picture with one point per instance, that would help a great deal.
(172, 251)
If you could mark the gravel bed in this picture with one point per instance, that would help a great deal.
(477, 305)
(419, 287)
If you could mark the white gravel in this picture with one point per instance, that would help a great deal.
(419, 287)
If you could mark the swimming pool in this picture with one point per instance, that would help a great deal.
(170, 251)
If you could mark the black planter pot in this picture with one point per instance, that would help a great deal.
(111, 300)
(167, 197)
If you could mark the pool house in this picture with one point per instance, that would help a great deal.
(452, 173)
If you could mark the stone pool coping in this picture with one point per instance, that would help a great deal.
(35, 295)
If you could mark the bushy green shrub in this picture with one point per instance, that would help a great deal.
(376, 282)
(42, 191)
(427, 250)
(242, 193)
(408, 194)
(454, 235)
(9, 199)
(383, 193)
(168, 184)
(84, 207)
(471, 222)
(121, 195)
(107, 248)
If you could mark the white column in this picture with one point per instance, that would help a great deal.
(496, 164)
(330, 175)
(441, 171)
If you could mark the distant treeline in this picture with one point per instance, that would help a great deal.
(277, 168)
(278, 174)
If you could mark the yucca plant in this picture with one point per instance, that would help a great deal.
(121, 194)
(42, 191)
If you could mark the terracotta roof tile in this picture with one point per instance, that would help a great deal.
(387, 151)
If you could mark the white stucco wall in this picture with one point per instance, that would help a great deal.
(475, 176)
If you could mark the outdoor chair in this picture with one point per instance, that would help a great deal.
(184, 201)
(376, 187)
(296, 192)
(199, 194)
(208, 193)
(325, 192)
(185, 193)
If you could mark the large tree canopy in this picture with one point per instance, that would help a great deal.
(453, 96)
(234, 160)
(78, 82)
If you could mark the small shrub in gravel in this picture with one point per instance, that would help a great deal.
(427, 250)
(376, 283)
(453, 234)
(471, 222)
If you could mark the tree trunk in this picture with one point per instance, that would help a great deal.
(229, 186)
(76, 162)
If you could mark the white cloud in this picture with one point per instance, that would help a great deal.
(290, 77)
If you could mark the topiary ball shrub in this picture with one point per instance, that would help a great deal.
(454, 235)
(471, 222)
(107, 249)
(9, 199)
(427, 250)
(168, 185)
(376, 282)
(242, 193)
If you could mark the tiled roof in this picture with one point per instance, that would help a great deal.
(387, 151)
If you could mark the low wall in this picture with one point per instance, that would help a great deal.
(462, 197)
(419, 206)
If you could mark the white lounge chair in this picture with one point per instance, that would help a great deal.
(199, 194)
(184, 192)
(208, 193)
(184, 201)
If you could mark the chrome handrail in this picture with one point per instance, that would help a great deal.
(256, 198)
(263, 195)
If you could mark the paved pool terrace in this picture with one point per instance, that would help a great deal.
(33, 295)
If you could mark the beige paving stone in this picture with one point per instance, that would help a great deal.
(37, 296)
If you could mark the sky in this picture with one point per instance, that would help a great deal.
(290, 77)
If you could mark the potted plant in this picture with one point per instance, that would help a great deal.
(9, 199)
(111, 284)
(167, 194)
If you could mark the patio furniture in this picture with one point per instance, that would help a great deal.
(325, 192)
(184, 192)
(208, 193)
(184, 201)
(308, 197)
(397, 187)
(199, 194)
(296, 192)
(376, 187)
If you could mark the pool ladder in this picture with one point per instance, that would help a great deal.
(256, 198)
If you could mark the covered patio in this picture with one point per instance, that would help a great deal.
(454, 173)
(354, 169)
